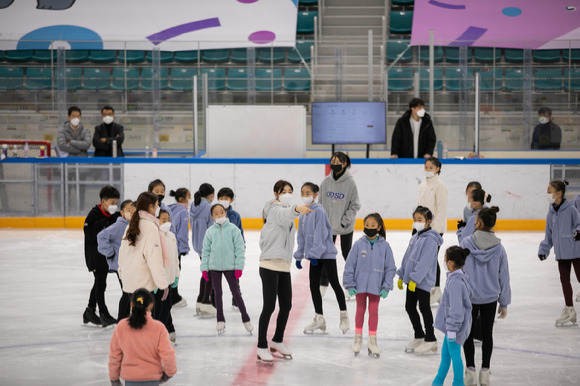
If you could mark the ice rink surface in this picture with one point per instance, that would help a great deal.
(45, 285)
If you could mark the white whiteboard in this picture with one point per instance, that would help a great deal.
(256, 131)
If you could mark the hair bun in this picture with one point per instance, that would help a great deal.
(172, 193)
(465, 252)
(565, 182)
(487, 197)
(494, 209)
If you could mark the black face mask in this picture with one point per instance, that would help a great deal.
(371, 232)
(336, 168)
(160, 197)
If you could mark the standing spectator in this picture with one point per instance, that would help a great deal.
(414, 135)
(73, 140)
(547, 135)
(106, 133)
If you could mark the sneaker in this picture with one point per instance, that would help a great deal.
(484, 377)
(435, 295)
(413, 344)
(470, 377)
(426, 348)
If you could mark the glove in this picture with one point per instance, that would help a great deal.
(116, 383)
(164, 378)
(165, 294)
(400, 284)
(461, 224)
(237, 273)
(577, 236)
(502, 312)
(542, 257)
(204, 275)
(411, 286)
(451, 335)
(175, 283)
(352, 292)
(155, 291)
(384, 294)
(314, 262)
(298, 264)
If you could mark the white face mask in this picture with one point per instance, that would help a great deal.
(112, 209)
(165, 227)
(446, 266)
(419, 226)
(157, 211)
(550, 199)
(421, 113)
(543, 120)
(127, 217)
(308, 200)
(75, 121)
(429, 174)
(108, 119)
(286, 198)
(224, 203)
(220, 220)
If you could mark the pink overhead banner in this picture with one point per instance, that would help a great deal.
(537, 24)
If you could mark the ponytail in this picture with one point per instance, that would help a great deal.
(179, 194)
(140, 301)
(144, 200)
(205, 190)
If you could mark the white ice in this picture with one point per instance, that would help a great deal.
(44, 286)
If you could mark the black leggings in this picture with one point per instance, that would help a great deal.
(162, 310)
(97, 296)
(216, 279)
(124, 303)
(423, 297)
(345, 246)
(487, 315)
(274, 284)
(329, 266)
(565, 268)
(438, 277)
(205, 290)
(175, 296)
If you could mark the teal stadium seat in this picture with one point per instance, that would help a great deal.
(187, 56)
(453, 79)
(237, 79)
(268, 79)
(573, 55)
(269, 54)
(514, 55)
(119, 74)
(546, 56)
(182, 78)
(302, 48)
(18, 55)
(400, 79)
(240, 55)
(487, 76)
(216, 78)
(514, 79)
(548, 79)
(305, 24)
(74, 78)
(45, 56)
(296, 79)
(97, 79)
(147, 78)
(77, 56)
(164, 56)
(437, 79)
(573, 76)
(11, 78)
(38, 78)
(132, 56)
(487, 54)
(437, 54)
(308, 2)
(394, 49)
(452, 54)
(215, 56)
(403, 2)
(102, 56)
(401, 22)
(2, 58)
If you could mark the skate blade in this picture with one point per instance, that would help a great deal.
(409, 350)
(567, 324)
(221, 332)
(92, 326)
(374, 356)
(280, 355)
(263, 362)
(345, 331)
(315, 332)
(356, 354)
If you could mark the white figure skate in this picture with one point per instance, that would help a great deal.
(435, 295)
(317, 324)
(484, 377)
(221, 327)
(281, 349)
(344, 322)
(470, 378)
(412, 345)
(263, 356)
(568, 316)
(356, 346)
(426, 348)
(373, 348)
(248, 326)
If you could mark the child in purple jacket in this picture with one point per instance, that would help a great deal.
(180, 227)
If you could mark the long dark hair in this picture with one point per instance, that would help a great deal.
(379, 220)
(205, 190)
(143, 201)
(141, 299)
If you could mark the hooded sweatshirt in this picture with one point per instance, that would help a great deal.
(109, 240)
(420, 261)
(433, 195)
(277, 236)
(180, 221)
(315, 236)
(75, 143)
(469, 228)
(369, 268)
(200, 219)
(576, 202)
(487, 268)
(560, 229)
(454, 313)
(223, 248)
(340, 200)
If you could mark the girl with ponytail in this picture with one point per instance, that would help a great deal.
(487, 268)
(476, 200)
(140, 351)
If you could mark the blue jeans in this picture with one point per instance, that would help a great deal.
(450, 352)
(143, 383)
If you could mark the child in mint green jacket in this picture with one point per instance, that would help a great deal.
(223, 253)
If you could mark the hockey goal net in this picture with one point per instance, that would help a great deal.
(10, 148)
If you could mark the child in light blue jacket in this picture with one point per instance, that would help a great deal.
(417, 271)
(488, 270)
(224, 254)
(563, 233)
(476, 202)
(454, 316)
(368, 274)
(180, 226)
(315, 244)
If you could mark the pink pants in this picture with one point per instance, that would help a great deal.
(361, 307)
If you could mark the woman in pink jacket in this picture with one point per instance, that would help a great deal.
(140, 350)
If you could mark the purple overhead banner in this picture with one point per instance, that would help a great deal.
(537, 24)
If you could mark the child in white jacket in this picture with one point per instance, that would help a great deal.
(163, 313)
